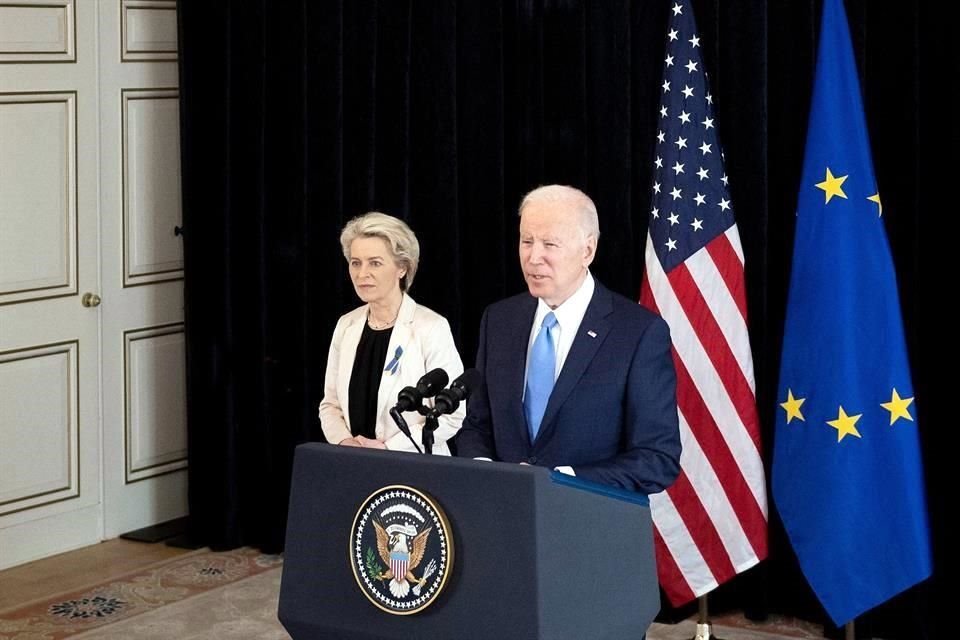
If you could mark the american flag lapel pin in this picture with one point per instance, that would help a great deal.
(592, 333)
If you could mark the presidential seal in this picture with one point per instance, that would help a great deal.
(401, 550)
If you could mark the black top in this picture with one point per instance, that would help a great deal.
(368, 365)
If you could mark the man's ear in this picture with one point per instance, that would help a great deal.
(589, 250)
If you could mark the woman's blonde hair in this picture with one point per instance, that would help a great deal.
(399, 237)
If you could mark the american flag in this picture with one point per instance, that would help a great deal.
(712, 523)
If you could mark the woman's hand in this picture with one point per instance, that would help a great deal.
(370, 443)
(361, 441)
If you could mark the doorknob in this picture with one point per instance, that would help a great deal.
(90, 300)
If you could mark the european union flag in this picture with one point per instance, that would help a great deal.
(847, 475)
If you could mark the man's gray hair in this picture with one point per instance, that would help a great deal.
(589, 222)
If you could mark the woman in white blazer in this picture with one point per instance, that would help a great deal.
(387, 344)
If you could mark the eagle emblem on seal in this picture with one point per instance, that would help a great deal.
(401, 548)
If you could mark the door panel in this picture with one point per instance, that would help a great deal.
(92, 414)
(37, 31)
(151, 186)
(144, 427)
(155, 430)
(41, 460)
(49, 244)
(38, 183)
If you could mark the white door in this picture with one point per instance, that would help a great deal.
(144, 415)
(92, 418)
(50, 479)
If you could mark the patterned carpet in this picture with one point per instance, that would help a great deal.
(233, 594)
(135, 594)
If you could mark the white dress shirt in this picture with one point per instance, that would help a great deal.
(569, 316)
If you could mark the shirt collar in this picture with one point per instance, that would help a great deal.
(571, 311)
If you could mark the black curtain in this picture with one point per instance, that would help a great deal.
(298, 115)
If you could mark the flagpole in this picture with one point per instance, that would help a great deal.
(848, 632)
(704, 626)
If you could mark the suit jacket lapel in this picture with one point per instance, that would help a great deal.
(582, 351)
(517, 331)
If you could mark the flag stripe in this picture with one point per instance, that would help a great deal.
(743, 551)
(730, 267)
(723, 508)
(741, 443)
(706, 268)
(671, 576)
(725, 364)
(733, 236)
(701, 528)
(680, 546)
(735, 489)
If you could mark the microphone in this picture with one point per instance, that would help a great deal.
(410, 398)
(448, 400)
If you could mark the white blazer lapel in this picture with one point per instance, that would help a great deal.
(392, 380)
(348, 348)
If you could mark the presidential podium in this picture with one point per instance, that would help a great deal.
(531, 553)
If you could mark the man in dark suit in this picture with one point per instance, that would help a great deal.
(575, 377)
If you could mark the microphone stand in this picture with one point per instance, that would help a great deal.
(402, 424)
(428, 427)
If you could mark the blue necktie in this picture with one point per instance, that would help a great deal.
(540, 376)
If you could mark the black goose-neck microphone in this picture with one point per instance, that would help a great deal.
(410, 398)
(448, 400)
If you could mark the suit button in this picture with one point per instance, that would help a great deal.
(532, 460)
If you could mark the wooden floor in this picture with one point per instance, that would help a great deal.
(75, 569)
